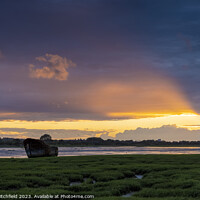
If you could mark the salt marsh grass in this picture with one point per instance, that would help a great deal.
(171, 177)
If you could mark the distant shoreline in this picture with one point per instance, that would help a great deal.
(99, 142)
(101, 146)
(109, 146)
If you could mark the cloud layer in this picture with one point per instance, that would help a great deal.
(166, 132)
(53, 67)
(55, 133)
(121, 55)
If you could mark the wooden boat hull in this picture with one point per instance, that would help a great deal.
(37, 148)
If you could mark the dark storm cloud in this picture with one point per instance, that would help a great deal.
(107, 39)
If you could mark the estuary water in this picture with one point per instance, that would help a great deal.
(81, 151)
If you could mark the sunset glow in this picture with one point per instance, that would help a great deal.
(112, 126)
(76, 69)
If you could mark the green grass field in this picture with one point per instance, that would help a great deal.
(106, 177)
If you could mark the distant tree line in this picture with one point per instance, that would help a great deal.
(95, 141)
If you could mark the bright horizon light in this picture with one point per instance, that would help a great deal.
(184, 120)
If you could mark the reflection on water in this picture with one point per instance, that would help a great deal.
(75, 183)
(139, 176)
(128, 194)
(77, 151)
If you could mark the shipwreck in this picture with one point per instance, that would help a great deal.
(38, 148)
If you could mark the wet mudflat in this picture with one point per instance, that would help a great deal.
(80, 151)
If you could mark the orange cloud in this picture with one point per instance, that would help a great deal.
(54, 67)
(7, 114)
(148, 95)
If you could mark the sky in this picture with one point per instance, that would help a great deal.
(120, 69)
